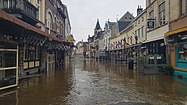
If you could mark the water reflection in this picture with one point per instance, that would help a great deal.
(9, 97)
(87, 82)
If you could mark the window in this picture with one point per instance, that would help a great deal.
(182, 51)
(31, 53)
(182, 7)
(139, 33)
(162, 13)
(151, 15)
(49, 21)
(136, 33)
(39, 9)
(142, 19)
(142, 31)
(150, 1)
(37, 1)
(25, 53)
(37, 53)
(55, 24)
(135, 23)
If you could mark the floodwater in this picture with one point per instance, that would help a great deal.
(87, 82)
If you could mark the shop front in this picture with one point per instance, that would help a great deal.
(22, 50)
(181, 55)
(177, 47)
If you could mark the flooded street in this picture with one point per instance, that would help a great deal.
(87, 82)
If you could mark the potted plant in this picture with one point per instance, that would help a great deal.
(168, 70)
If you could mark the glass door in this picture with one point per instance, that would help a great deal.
(8, 68)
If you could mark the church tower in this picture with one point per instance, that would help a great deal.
(97, 28)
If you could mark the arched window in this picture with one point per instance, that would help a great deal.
(49, 21)
(55, 24)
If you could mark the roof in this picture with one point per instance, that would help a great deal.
(127, 14)
(111, 24)
(128, 27)
(123, 24)
(99, 35)
(91, 38)
(97, 25)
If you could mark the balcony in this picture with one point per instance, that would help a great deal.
(22, 9)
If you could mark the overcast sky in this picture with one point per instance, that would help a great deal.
(83, 14)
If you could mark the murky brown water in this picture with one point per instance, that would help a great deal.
(96, 83)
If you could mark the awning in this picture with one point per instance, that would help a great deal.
(175, 31)
(7, 17)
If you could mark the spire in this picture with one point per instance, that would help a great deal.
(97, 27)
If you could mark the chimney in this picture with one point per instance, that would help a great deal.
(139, 10)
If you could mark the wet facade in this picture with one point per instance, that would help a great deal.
(96, 83)
(26, 46)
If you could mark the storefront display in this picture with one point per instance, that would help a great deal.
(181, 57)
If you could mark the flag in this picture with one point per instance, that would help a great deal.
(136, 39)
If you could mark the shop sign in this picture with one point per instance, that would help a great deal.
(159, 57)
(151, 57)
(150, 23)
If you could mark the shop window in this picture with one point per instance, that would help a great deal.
(25, 53)
(7, 59)
(7, 77)
(31, 53)
(182, 51)
(37, 53)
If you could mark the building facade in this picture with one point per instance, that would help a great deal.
(177, 37)
(29, 39)
(157, 26)
(117, 39)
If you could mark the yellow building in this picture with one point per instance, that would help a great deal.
(139, 24)
(177, 37)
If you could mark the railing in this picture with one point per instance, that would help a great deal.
(19, 5)
(29, 9)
